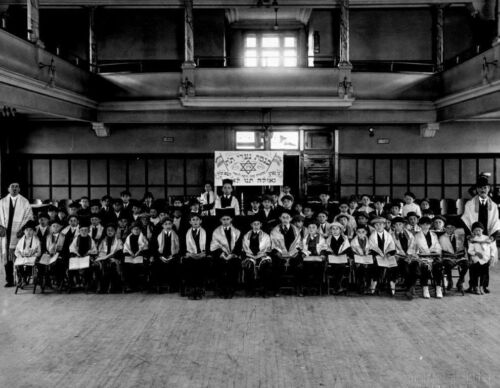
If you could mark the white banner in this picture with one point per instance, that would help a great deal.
(249, 168)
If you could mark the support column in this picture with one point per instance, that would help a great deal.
(33, 23)
(496, 41)
(188, 67)
(345, 88)
(439, 37)
(92, 41)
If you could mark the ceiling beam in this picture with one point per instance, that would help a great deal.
(235, 3)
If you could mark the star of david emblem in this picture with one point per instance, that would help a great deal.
(248, 167)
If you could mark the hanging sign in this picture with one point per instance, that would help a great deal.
(249, 168)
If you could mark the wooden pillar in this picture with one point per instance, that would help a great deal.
(439, 37)
(345, 88)
(188, 67)
(33, 22)
(92, 41)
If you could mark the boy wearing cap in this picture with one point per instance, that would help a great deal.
(427, 245)
(353, 205)
(360, 245)
(110, 269)
(267, 214)
(123, 230)
(308, 215)
(166, 261)
(363, 219)
(84, 210)
(54, 243)
(42, 230)
(136, 209)
(254, 207)
(207, 200)
(286, 246)
(336, 244)
(325, 205)
(405, 250)
(313, 244)
(195, 261)
(483, 253)
(227, 200)
(344, 221)
(410, 205)
(256, 262)
(285, 191)
(81, 246)
(413, 224)
(344, 210)
(322, 222)
(394, 211)
(438, 223)
(96, 229)
(453, 245)
(27, 252)
(126, 205)
(382, 244)
(70, 232)
(106, 209)
(225, 248)
(379, 208)
(52, 213)
(136, 245)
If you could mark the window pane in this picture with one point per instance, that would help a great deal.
(290, 62)
(285, 140)
(247, 140)
(290, 41)
(251, 41)
(250, 58)
(270, 41)
(270, 58)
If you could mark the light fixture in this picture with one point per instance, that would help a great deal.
(275, 5)
(8, 112)
(371, 132)
(345, 89)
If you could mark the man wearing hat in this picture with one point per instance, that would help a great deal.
(225, 249)
(481, 208)
(452, 243)
(15, 211)
(227, 199)
(255, 257)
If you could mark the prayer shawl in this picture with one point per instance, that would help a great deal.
(278, 241)
(234, 204)
(219, 240)
(191, 245)
(142, 242)
(174, 246)
(325, 232)
(207, 200)
(73, 248)
(68, 228)
(264, 244)
(446, 244)
(28, 251)
(487, 248)
(421, 247)
(389, 245)
(319, 244)
(410, 238)
(116, 246)
(471, 215)
(343, 248)
(356, 247)
(22, 214)
(57, 245)
(99, 234)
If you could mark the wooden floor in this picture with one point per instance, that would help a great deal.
(140, 340)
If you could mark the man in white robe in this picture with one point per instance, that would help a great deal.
(15, 211)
